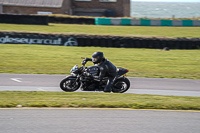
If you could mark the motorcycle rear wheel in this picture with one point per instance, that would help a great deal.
(121, 85)
(69, 85)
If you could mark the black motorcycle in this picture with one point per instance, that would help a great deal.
(84, 78)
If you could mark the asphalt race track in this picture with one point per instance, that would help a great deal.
(97, 121)
(43, 82)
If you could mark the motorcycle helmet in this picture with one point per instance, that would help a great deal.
(97, 57)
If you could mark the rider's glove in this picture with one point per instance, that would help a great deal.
(83, 62)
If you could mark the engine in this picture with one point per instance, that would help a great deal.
(91, 85)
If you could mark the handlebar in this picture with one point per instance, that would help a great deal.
(85, 60)
(83, 63)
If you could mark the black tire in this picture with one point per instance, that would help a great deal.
(69, 85)
(121, 85)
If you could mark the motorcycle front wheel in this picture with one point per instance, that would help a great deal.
(121, 85)
(69, 85)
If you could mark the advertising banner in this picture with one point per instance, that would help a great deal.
(98, 40)
(37, 39)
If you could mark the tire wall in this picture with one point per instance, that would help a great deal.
(24, 19)
(42, 20)
(98, 41)
(65, 20)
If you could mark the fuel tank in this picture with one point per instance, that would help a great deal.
(93, 70)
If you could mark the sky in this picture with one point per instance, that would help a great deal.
(170, 0)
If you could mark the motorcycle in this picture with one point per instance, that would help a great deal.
(83, 78)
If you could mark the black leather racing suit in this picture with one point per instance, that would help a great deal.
(107, 69)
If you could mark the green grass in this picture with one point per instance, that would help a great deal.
(40, 59)
(97, 100)
(109, 30)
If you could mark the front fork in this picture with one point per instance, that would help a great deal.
(77, 79)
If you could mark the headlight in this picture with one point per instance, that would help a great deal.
(74, 70)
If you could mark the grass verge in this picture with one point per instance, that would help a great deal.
(151, 31)
(40, 59)
(97, 100)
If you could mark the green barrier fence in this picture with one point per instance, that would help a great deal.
(102, 21)
(187, 22)
(145, 22)
(166, 22)
(126, 21)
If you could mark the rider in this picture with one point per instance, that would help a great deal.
(107, 69)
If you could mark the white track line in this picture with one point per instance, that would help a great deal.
(40, 89)
(16, 80)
